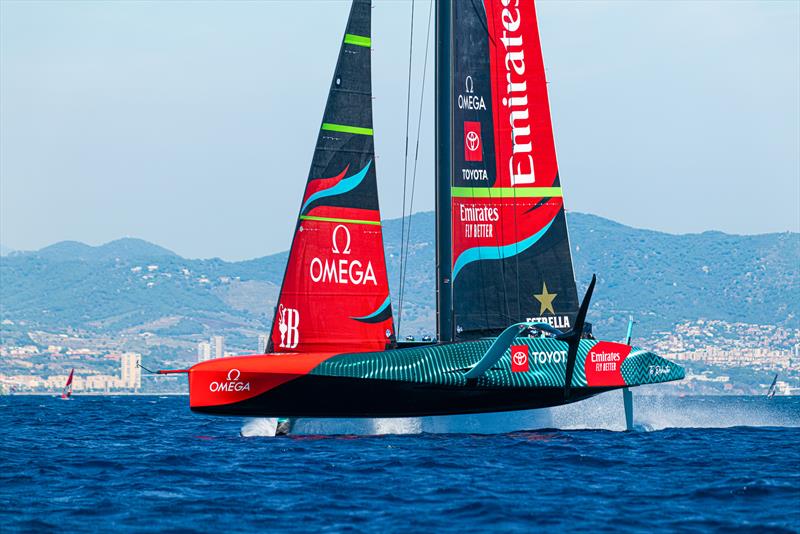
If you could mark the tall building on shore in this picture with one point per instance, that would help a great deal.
(130, 372)
(203, 351)
(262, 343)
(218, 345)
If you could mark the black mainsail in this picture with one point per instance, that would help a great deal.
(509, 245)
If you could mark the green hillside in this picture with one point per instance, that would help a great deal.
(130, 285)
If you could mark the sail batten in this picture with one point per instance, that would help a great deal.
(335, 292)
(346, 129)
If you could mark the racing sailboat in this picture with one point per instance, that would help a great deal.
(510, 326)
(66, 393)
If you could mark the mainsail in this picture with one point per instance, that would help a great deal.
(335, 292)
(510, 250)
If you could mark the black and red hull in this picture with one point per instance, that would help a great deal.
(417, 381)
(326, 396)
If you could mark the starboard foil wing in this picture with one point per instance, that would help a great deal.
(511, 258)
(335, 292)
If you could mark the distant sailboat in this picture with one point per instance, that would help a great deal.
(772, 388)
(67, 392)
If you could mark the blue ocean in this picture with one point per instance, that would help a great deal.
(137, 463)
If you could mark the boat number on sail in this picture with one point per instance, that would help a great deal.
(339, 270)
(231, 384)
(289, 327)
(519, 359)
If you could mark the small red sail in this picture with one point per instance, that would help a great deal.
(67, 392)
(335, 292)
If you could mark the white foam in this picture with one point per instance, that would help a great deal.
(603, 412)
(259, 427)
(397, 425)
(654, 412)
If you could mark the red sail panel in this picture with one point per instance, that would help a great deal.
(523, 132)
(67, 391)
(335, 296)
(511, 257)
(335, 293)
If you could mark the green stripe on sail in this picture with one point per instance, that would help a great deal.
(357, 40)
(334, 220)
(505, 192)
(346, 129)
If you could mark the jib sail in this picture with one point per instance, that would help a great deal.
(335, 293)
(510, 251)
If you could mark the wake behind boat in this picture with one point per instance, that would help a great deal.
(511, 334)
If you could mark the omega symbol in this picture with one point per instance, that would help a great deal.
(334, 239)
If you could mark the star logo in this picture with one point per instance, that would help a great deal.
(545, 300)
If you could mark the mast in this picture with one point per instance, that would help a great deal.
(444, 142)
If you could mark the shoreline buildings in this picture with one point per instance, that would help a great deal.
(85, 381)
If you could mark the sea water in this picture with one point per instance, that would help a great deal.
(138, 463)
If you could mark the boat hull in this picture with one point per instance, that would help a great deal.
(418, 381)
(326, 396)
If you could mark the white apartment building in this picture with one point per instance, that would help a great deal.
(203, 351)
(218, 345)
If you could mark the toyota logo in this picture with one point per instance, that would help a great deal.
(520, 358)
(473, 141)
(233, 375)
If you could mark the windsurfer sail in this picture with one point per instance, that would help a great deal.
(503, 258)
(66, 393)
(772, 387)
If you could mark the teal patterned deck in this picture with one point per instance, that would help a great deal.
(446, 365)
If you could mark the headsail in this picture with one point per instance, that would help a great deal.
(335, 293)
(510, 250)
(67, 391)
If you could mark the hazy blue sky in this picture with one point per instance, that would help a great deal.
(192, 124)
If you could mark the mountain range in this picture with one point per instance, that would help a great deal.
(130, 286)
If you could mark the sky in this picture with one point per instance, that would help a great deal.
(192, 124)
